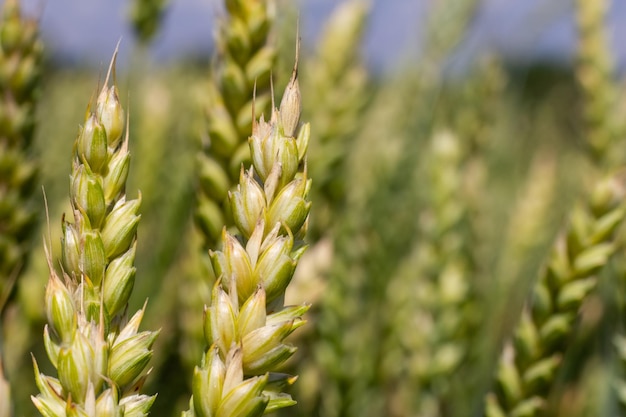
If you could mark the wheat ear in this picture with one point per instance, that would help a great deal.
(531, 359)
(432, 288)
(247, 322)
(245, 59)
(602, 126)
(594, 70)
(99, 353)
(20, 56)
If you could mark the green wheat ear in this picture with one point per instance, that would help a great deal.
(247, 321)
(531, 359)
(433, 287)
(20, 61)
(595, 72)
(244, 59)
(20, 57)
(98, 351)
(603, 129)
(244, 63)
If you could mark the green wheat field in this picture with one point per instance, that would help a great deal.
(277, 229)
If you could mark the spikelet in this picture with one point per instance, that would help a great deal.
(99, 353)
(247, 322)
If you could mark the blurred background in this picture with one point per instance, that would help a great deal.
(86, 32)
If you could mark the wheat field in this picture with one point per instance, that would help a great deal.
(278, 228)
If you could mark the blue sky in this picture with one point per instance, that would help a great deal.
(88, 30)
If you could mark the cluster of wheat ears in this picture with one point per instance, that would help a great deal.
(387, 187)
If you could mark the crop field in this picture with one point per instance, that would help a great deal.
(279, 229)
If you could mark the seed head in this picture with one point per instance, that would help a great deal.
(120, 227)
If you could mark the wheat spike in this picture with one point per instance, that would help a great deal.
(99, 353)
(247, 322)
(243, 65)
(532, 358)
(20, 56)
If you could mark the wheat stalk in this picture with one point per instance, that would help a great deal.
(98, 352)
(246, 322)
